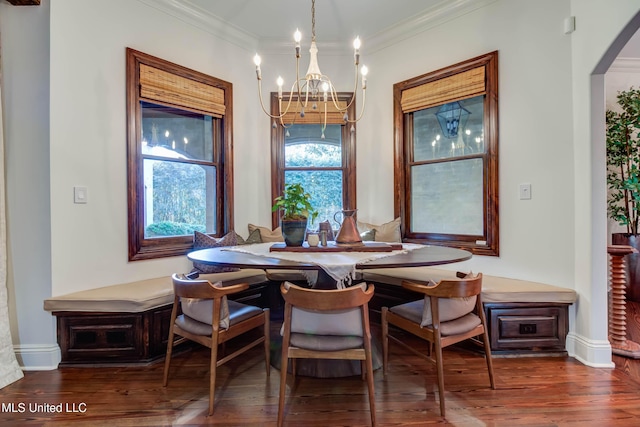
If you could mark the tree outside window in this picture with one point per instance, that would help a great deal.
(324, 166)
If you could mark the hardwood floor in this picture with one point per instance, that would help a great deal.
(530, 391)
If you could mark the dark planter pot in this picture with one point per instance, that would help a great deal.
(293, 231)
(632, 262)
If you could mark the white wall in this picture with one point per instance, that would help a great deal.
(88, 131)
(25, 63)
(545, 140)
(534, 134)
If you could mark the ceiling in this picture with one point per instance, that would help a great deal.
(271, 23)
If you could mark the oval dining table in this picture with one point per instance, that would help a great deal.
(320, 368)
(421, 257)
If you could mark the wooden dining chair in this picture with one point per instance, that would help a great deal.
(202, 302)
(451, 311)
(326, 324)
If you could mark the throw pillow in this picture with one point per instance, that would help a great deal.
(368, 236)
(266, 234)
(254, 237)
(387, 232)
(203, 241)
(449, 308)
(202, 309)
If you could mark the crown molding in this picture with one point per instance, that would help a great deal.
(625, 65)
(443, 12)
(200, 18)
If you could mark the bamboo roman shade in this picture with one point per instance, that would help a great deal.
(162, 86)
(463, 85)
(334, 116)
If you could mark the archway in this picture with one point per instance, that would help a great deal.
(597, 120)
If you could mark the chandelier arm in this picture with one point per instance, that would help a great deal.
(298, 77)
(286, 111)
(364, 98)
(324, 124)
(295, 113)
(334, 94)
(262, 102)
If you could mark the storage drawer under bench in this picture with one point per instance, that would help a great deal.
(520, 328)
(94, 338)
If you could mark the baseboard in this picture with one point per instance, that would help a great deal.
(594, 353)
(38, 357)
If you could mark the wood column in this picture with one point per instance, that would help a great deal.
(617, 304)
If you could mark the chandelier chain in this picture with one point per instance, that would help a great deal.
(313, 20)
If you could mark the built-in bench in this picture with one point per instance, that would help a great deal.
(128, 323)
(523, 317)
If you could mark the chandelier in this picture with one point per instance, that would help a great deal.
(314, 88)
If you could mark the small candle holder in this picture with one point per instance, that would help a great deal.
(313, 239)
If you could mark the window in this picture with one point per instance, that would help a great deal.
(447, 156)
(179, 156)
(324, 166)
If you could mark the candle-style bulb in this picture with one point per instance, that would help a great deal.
(279, 82)
(257, 60)
(357, 43)
(364, 71)
(297, 36)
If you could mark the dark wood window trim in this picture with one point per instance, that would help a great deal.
(148, 248)
(24, 2)
(348, 156)
(489, 244)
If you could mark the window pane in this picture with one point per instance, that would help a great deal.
(325, 188)
(432, 139)
(186, 133)
(447, 198)
(179, 198)
(304, 147)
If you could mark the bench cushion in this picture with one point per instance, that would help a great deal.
(494, 289)
(136, 297)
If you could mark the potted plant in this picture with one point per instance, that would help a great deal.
(295, 209)
(623, 179)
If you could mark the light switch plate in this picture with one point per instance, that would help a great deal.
(80, 195)
(525, 191)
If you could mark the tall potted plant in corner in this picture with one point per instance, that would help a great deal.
(295, 209)
(623, 179)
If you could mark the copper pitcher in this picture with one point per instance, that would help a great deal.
(348, 234)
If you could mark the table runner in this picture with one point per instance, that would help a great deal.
(341, 266)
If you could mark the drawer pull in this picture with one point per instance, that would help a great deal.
(528, 328)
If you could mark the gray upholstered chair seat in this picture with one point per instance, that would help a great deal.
(325, 342)
(237, 313)
(413, 312)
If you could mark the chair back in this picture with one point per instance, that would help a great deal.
(454, 288)
(334, 299)
(184, 287)
(187, 288)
